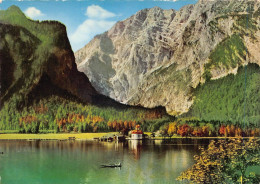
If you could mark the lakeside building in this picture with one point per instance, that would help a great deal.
(137, 134)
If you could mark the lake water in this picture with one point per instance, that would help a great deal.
(73, 162)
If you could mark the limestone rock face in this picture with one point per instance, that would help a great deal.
(157, 57)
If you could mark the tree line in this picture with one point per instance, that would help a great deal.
(206, 129)
(57, 114)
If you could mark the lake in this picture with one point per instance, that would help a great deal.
(72, 162)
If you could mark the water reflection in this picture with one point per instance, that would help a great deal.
(156, 161)
(135, 146)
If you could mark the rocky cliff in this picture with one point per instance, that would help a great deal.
(36, 58)
(157, 57)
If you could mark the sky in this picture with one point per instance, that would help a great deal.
(86, 18)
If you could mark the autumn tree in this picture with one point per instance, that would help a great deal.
(126, 125)
(197, 132)
(205, 131)
(184, 130)
(225, 162)
(238, 132)
(109, 124)
(172, 129)
(223, 130)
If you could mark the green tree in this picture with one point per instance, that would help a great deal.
(225, 162)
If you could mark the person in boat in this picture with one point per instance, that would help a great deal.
(112, 165)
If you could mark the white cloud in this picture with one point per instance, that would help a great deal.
(87, 30)
(96, 23)
(33, 12)
(96, 12)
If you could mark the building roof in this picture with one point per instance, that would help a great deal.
(137, 132)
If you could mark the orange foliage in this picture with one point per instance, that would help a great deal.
(114, 124)
(126, 124)
(205, 131)
(73, 118)
(230, 130)
(184, 130)
(109, 124)
(197, 132)
(27, 119)
(156, 114)
(97, 119)
(238, 132)
(222, 130)
(120, 125)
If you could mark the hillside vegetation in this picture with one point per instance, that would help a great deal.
(234, 98)
(58, 114)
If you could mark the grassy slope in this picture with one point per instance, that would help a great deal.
(229, 53)
(26, 45)
(226, 99)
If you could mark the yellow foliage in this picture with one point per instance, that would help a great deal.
(172, 128)
(225, 161)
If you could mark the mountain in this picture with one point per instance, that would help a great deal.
(159, 57)
(34, 53)
(42, 90)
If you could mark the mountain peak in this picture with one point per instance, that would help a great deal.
(41, 49)
(13, 15)
(159, 56)
(156, 8)
(14, 9)
(229, 6)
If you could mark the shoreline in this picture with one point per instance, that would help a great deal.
(52, 136)
(88, 136)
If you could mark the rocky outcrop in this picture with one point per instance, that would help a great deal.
(157, 57)
(34, 51)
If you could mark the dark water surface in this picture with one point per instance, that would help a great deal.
(72, 162)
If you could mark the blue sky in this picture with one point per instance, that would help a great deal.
(86, 18)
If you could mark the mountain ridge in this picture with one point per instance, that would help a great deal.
(29, 55)
(187, 44)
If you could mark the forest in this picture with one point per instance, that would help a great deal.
(220, 109)
(56, 114)
(233, 99)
